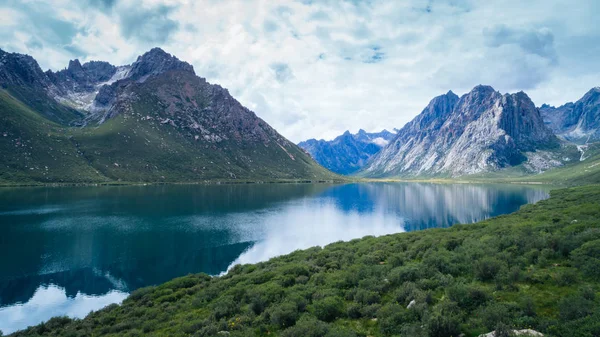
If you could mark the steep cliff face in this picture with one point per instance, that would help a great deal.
(349, 152)
(153, 120)
(579, 121)
(482, 131)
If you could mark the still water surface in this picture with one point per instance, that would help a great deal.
(67, 251)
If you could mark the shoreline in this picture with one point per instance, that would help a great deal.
(286, 181)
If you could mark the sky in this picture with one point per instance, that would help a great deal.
(313, 69)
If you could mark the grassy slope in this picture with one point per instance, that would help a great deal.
(574, 173)
(538, 267)
(128, 149)
(35, 149)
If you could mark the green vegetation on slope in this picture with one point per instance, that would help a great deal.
(133, 148)
(537, 268)
(572, 174)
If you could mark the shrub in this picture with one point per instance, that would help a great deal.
(328, 308)
(224, 307)
(306, 327)
(566, 277)
(403, 274)
(493, 314)
(503, 330)
(340, 332)
(487, 268)
(367, 297)
(528, 306)
(390, 318)
(354, 311)
(574, 307)
(370, 311)
(440, 325)
(467, 297)
(284, 315)
(587, 258)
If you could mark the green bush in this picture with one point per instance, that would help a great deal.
(224, 307)
(367, 297)
(328, 308)
(587, 258)
(306, 327)
(284, 315)
(574, 307)
(487, 268)
(439, 325)
(566, 277)
(391, 318)
(468, 297)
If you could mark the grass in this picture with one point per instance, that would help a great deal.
(537, 268)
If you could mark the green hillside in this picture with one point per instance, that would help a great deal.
(129, 148)
(537, 268)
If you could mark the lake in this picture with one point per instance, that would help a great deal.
(70, 250)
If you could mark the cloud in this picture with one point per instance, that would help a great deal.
(148, 24)
(283, 73)
(535, 41)
(318, 68)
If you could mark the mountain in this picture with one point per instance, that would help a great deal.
(153, 120)
(579, 121)
(479, 132)
(349, 152)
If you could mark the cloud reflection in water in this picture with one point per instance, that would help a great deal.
(49, 301)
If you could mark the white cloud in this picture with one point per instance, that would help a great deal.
(318, 68)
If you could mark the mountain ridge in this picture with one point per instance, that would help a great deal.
(575, 121)
(348, 152)
(153, 120)
(481, 131)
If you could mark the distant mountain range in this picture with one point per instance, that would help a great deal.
(483, 131)
(153, 120)
(578, 122)
(347, 153)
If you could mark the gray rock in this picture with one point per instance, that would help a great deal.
(480, 132)
(524, 332)
(579, 121)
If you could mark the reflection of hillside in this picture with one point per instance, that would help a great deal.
(51, 230)
(315, 222)
(126, 275)
(425, 205)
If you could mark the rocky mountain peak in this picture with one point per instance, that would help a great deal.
(20, 69)
(74, 66)
(99, 71)
(154, 62)
(482, 131)
(579, 121)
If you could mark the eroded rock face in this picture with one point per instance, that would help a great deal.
(19, 69)
(579, 121)
(482, 131)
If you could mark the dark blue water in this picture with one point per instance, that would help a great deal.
(66, 251)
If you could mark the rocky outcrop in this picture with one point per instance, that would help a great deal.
(524, 333)
(579, 121)
(156, 62)
(480, 132)
(349, 152)
(21, 70)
